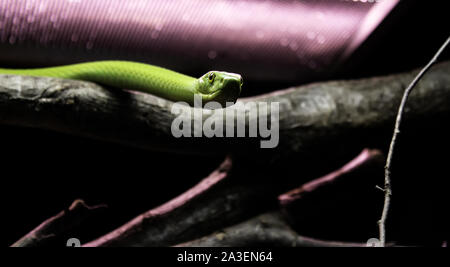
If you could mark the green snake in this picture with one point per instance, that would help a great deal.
(218, 86)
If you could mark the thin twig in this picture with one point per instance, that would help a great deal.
(387, 168)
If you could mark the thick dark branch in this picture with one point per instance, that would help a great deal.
(58, 224)
(268, 229)
(308, 114)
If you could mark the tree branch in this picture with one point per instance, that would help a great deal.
(308, 114)
(220, 199)
(387, 180)
(58, 224)
(367, 156)
(268, 229)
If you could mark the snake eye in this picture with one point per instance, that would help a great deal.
(211, 77)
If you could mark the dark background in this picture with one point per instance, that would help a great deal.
(42, 172)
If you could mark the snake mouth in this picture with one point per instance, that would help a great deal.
(229, 91)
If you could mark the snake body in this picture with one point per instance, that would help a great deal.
(216, 86)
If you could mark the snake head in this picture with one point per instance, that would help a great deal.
(220, 86)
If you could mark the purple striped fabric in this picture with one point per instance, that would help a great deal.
(263, 40)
